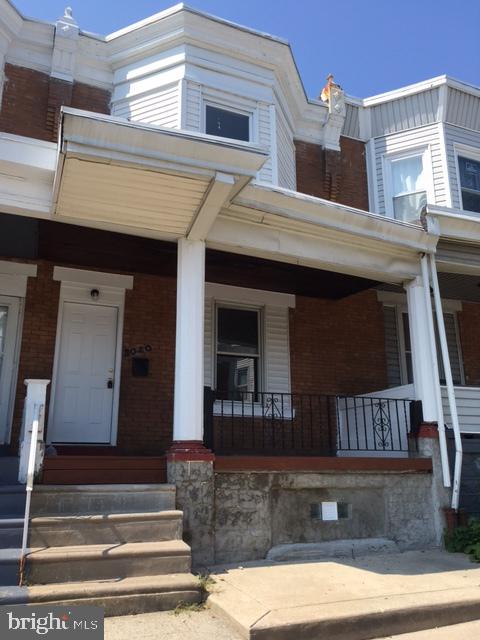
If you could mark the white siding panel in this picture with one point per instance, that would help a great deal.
(412, 111)
(193, 119)
(468, 408)
(208, 342)
(458, 135)
(277, 350)
(160, 107)
(265, 140)
(285, 153)
(463, 109)
(403, 142)
(351, 127)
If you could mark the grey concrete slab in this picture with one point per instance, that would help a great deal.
(345, 599)
(198, 625)
(465, 631)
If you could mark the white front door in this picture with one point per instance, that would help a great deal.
(84, 385)
(9, 313)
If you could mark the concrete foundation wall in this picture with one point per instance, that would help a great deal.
(257, 510)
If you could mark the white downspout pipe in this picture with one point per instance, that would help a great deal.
(436, 374)
(457, 474)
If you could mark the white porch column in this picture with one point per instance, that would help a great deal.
(34, 408)
(425, 367)
(188, 399)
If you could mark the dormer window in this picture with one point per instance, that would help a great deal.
(226, 123)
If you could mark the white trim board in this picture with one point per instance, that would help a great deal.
(97, 278)
(248, 296)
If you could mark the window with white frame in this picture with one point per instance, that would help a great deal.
(406, 185)
(227, 123)
(238, 353)
(399, 351)
(469, 172)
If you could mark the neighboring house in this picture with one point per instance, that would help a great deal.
(228, 284)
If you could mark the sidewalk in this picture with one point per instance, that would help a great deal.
(347, 599)
(166, 625)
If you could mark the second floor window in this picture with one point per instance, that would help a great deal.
(469, 171)
(238, 353)
(408, 187)
(227, 124)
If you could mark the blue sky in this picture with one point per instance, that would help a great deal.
(370, 45)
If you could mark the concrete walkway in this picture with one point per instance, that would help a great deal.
(371, 597)
(166, 625)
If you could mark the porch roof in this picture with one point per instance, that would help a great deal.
(166, 184)
(152, 180)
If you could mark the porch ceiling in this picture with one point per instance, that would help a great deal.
(148, 180)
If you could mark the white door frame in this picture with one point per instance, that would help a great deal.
(15, 313)
(13, 285)
(76, 286)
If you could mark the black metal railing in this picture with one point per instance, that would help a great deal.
(265, 423)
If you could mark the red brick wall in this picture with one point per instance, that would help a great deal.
(338, 346)
(338, 176)
(31, 102)
(469, 329)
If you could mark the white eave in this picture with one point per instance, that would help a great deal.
(144, 179)
(453, 224)
(292, 227)
(301, 210)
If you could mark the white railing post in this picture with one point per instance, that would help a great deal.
(33, 411)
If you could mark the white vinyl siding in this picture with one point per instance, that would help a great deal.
(468, 408)
(160, 107)
(429, 138)
(285, 153)
(411, 112)
(392, 348)
(468, 139)
(276, 350)
(351, 126)
(395, 349)
(463, 109)
(265, 140)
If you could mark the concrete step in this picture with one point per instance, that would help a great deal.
(9, 567)
(58, 500)
(119, 597)
(11, 531)
(107, 561)
(12, 500)
(8, 470)
(59, 531)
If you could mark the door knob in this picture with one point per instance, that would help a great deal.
(110, 383)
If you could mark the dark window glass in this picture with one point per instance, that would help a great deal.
(227, 124)
(470, 183)
(238, 354)
(237, 331)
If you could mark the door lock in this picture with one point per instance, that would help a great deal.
(110, 383)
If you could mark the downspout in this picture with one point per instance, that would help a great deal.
(438, 393)
(457, 474)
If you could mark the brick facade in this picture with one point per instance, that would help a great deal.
(338, 176)
(31, 102)
(338, 346)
